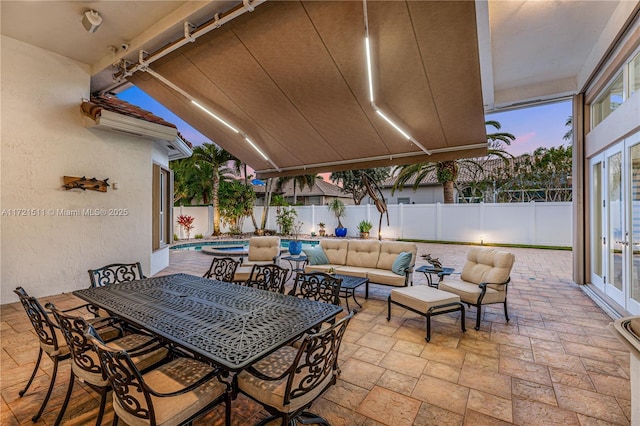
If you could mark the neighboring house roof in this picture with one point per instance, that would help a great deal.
(469, 173)
(320, 188)
(94, 107)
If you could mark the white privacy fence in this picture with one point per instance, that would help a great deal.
(545, 224)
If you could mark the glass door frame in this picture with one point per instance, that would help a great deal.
(618, 241)
(598, 242)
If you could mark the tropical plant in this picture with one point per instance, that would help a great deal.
(365, 226)
(336, 206)
(568, 136)
(198, 236)
(191, 181)
(236, 203)
(186, 222)
(447, 171)
(543, 176)
(352, 183)
(298, 182)
(286, 220)
(219, 160)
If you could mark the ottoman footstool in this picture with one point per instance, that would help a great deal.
(426, 301)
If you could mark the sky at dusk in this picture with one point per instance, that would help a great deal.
(533, 127)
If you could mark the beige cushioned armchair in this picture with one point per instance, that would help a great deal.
(484, 279)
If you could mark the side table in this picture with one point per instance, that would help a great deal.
(297, 260)
(429, 270)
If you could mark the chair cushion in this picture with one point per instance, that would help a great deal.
(363, 253)
(316, 256)
(62, 350)
(271, 392)
(402, 262)
(335, 250)
(487, 265)
(386, 277)
(469, 292)
(389, 251)
(171, 377)
(263, 248)
(128, 342)
(242, 273)
(422, 297)
(321, 268)
(353, 271)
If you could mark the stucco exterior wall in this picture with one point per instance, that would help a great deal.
(43, 139)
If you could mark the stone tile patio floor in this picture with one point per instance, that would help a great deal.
(555, 362)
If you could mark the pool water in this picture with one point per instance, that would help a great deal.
(233, 246)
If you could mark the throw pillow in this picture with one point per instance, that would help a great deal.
(316, 256)
(401, 263)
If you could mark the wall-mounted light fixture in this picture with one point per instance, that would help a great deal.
(91, 21)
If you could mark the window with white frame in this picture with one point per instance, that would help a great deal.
(608, 101)
(162, 207)
(634, 75)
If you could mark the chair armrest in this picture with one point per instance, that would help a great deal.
(260, 375)
(484, 285)
(200, 382)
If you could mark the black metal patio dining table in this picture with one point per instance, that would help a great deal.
(231, 325)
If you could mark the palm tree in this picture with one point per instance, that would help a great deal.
(568, 136)
(219, 160)
(298, 181)
(447, 171)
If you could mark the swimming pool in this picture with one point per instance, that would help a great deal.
(234, 247)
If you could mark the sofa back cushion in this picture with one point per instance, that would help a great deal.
(389, 251)
(316, 256)
(363, 253)
(487, 265)
(336, 250)
(263, 248)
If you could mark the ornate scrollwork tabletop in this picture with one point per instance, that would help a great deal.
(231, 325)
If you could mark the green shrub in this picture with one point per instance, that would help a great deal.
(198, 236)
(175, 237)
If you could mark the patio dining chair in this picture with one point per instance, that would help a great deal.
(175, 393)
(289, 380)
(222, 269)
(115, 273)
(52, 342)
(268, 277)
(317, 286)
(144, 349)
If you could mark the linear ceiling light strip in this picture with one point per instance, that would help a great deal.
(378, 158)
(367, 47)
(184, 93)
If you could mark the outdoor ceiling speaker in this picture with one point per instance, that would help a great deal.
(91, 20)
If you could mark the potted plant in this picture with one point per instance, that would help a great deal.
(321, 231)
(295, 245)
(338, 209)
(186, 222)
(364, 227)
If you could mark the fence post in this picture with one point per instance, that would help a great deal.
(210, 216)
(401, 220)
(481, 216)
(533, 222)
(438, 221)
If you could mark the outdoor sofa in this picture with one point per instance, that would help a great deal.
(381, 262)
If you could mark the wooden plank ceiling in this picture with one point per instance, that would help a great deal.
(292, 76)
